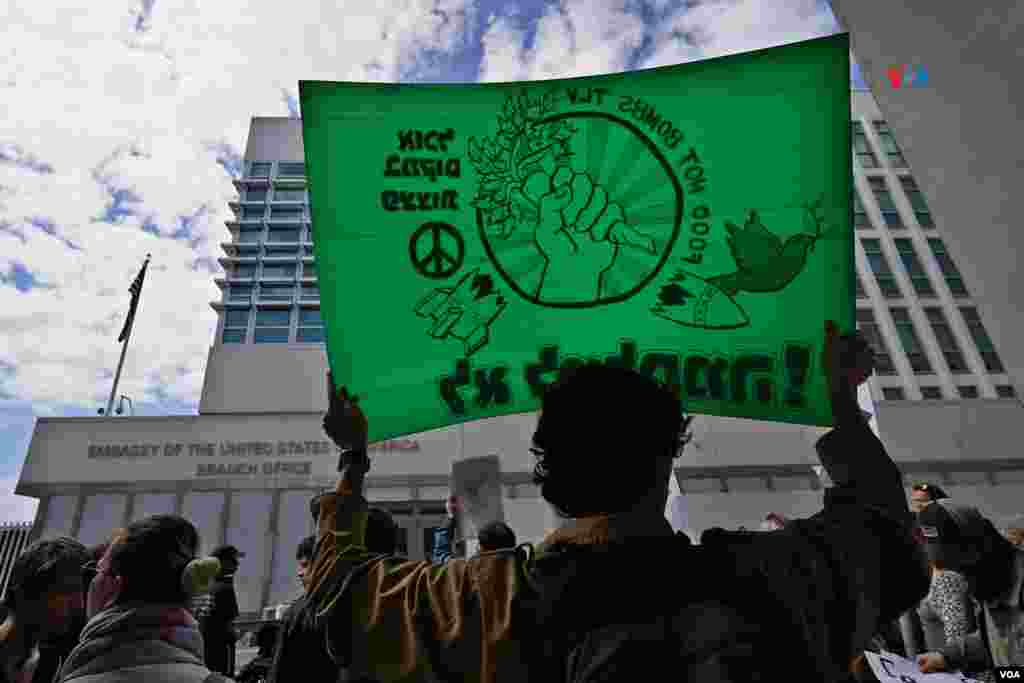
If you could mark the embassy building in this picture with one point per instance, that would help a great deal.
(245, 468)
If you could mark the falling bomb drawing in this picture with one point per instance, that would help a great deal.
(465, 311)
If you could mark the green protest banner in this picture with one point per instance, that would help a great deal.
(692, 221)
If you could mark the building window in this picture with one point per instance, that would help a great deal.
(861, 294)
(860, 216)
(950, 272)
(310, 293)
(1006, 391)
(272, 327)
(236, 324)
(259, 169)
(918, 276)
(283, 235)
(308, 249)
(885, 203)
(311, 326)
(289, 194)
(286, 213)
(279, 270)
(919, 362)
(967, 391)
(947, 341)
(291, 169)
(981, 340)
(869, 327)
(917, 202)
(309, 269)
(889, 145)
(256, 194)
(880, 267)
(892, 393)
(862, 148)
(931, 393)
(282, 251)
(250, 235)
(252, 213)
(244, 271)
(276, 292)
(240, 293)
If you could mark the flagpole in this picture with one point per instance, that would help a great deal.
(117, 375)
(129, 326)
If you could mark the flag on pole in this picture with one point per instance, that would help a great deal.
(136, 290)
(692, 222)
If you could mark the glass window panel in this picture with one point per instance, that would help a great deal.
(282, 251)
(252, 213)
(101, 514)
(309, 270)
(236, 317)
(248, 524)
(1006, 391)
(993, 363)
(889, 145)
(244, 270)
(248, 250)
(234, 335)
(862, 148)
(931, 393)
(278, 270)
(276, 292)
(869, 327)
(911, 342)
(287, 213)
(310, 292)
(918, 276)
(289, 194)
(967, 391)
(310, 316)
(291, 169)
(283, 235)
(240, 293)
(293, 524)
(250, 236)
(256, 194)
(271, 335)
(950, 272)
(273, 318)
(311, 335)
(308, 250)
(946, 338)
(259, 169)
(880, 267)
(892, 393)
(860, 216)
(204, 509)
(60, 516)
(149, 504)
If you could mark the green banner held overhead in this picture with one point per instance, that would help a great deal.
(689, 221)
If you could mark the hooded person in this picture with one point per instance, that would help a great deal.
(139, 627)
(797, 604)
(959, 538)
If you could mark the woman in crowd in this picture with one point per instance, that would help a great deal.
(139, 628)
(960, 539)
(924, 494)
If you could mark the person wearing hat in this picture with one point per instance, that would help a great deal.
(958, 538)
(218, 627)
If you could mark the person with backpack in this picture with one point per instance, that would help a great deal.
(139, 627)
(616, 592)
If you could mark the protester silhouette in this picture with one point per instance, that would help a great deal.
(615, 592)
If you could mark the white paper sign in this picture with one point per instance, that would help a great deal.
(890, 668)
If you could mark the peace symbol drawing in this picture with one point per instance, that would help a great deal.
(437, 250)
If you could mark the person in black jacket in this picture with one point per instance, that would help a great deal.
(218, 626)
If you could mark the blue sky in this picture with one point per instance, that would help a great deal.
(126, 120)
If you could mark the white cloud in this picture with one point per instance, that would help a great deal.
(142, 113)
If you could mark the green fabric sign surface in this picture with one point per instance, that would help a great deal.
(692, 221)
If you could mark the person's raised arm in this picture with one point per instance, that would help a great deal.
(347, 426)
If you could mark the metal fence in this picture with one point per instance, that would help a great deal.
(14, 538)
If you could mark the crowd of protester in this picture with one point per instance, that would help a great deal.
(609, 595)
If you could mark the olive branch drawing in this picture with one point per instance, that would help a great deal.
(523, 146)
